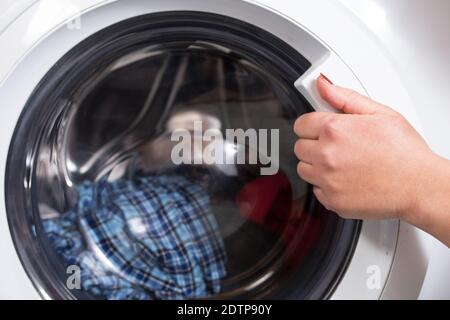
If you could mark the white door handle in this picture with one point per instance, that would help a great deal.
(332, 67)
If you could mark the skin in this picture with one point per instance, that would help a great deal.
(368, 162)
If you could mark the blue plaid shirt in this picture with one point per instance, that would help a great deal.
(146, 238)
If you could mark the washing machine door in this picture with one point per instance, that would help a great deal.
(155, 161)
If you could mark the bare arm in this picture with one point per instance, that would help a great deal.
(369, 163)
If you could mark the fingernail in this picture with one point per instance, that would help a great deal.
(326, 79)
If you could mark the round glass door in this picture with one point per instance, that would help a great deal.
(155, 161)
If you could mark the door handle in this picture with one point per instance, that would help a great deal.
(333, 67)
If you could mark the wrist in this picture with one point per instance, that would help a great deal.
(429, 192)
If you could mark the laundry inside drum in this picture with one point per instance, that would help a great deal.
(136, 224)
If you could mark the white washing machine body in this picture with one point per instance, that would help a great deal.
(390, 258)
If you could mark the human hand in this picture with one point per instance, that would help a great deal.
(366, 163)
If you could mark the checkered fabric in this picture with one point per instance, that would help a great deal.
(147, 238)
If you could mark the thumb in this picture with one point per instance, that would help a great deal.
(346, 100)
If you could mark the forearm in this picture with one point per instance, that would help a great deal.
(431, 210)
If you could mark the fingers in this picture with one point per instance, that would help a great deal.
(309, 126)
(346, 100)
(307, 173)
(320, 195)
(306, 150)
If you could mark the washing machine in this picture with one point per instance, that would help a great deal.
(91, 89)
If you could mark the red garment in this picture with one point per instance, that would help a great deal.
(267, 201)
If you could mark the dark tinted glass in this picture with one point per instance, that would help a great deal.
(116, 217)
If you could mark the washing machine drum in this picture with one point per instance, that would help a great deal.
(111, 191)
